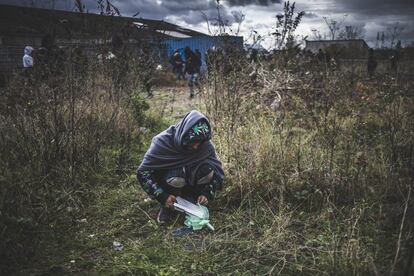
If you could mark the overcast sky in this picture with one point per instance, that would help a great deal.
(371, 16)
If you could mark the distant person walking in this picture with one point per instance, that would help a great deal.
(190, 70)
(395, 57)
(27, 60)
(177, 64)
(320, 56)
(198, 60)
(27, 71)
(371, 64)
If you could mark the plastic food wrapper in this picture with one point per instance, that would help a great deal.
(197, 216)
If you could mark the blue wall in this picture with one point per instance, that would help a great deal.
(202, 43)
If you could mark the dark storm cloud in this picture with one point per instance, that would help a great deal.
(196, 17)
(165, 7)
(194, 5)
(252, 2)
(181, 11)
(379, 15)
(186, 11)
(377, 7)
(371, 15)
(404, 30)
(146, 8)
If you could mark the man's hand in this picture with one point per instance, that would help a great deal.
(169, 203)
(202, 200)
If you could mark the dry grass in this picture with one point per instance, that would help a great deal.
(317, 182)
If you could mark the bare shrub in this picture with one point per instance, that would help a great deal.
(57, 128)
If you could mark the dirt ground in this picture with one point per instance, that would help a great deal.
(174, 102)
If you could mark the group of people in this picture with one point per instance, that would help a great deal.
(187, 65)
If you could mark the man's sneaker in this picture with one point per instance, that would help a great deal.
(164, 215)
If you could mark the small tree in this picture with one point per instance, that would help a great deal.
(334, 26)
(286, 25)
(394, 32)
(238, 17)
(351, 32)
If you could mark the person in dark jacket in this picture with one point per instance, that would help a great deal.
(191, 65)
(371, 64)
(198, 60)
(181, 161)
(177, 64)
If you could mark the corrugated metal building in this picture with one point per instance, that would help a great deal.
(21, 26)
(202, 43)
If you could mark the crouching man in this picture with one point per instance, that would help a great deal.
(181, 161)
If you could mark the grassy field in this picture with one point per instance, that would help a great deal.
(121, 211)
(318, 168)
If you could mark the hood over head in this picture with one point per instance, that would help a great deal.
(194, 127)
(168, 152)
(28, 50)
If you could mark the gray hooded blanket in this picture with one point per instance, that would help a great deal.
(166, 151)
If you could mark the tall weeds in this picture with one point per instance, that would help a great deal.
(56, 128)
(333, 156)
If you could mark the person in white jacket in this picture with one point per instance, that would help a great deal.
(27, 58)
